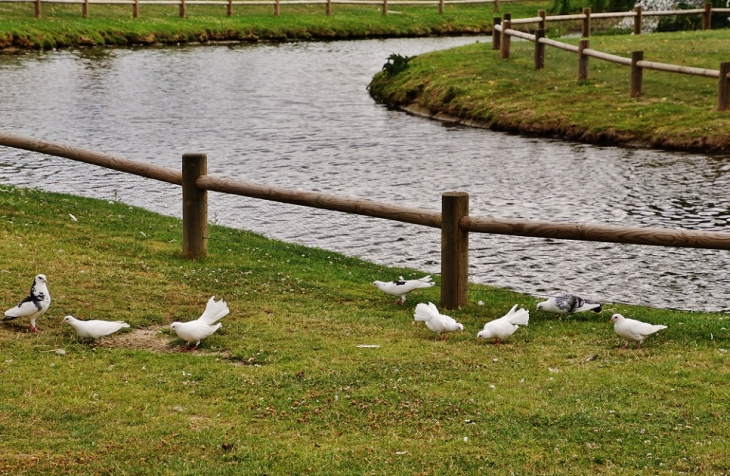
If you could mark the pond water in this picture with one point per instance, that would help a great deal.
(298, 115)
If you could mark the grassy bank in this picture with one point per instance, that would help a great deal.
(62, 25)
(675, 112)
(283, 388)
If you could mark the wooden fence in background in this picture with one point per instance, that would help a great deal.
(229, 4)
(453, 220)
(503, 31)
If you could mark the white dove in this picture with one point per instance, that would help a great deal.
(569, 303)
(94, 329)
(401, 287)
(34, 305)
(205, 325)
(436, 321)
(633, 330)
(505, 326)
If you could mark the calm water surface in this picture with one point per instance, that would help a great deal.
(298, 115)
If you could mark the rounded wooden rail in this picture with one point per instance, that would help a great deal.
(320, 200)
(101, 159)
(604, 233)
(607, 57)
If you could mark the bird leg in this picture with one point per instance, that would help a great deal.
(497, 341)
(34, 329)
(444, 336)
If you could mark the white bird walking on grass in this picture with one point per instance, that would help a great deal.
(505, 326)
(569, 303)
(632, 330)
(204, 326)
(94, 329)
(34, 305)
(437, 322)
(401, 287)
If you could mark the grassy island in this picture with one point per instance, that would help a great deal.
(472, 84)
(285, 386)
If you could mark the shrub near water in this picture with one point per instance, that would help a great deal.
(283, 387)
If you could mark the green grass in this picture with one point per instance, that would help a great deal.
(63, 25)
(676, 111)
(283, 388)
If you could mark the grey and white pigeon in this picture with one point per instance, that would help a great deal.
(569, 303)
(632, 330)
(437, 322)
(94, 329)
(204, 326)
(401, 287)
(505, 326)
(34, 305)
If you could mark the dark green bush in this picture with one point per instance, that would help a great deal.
(396, 64)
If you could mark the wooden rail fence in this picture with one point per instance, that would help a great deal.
(502, 32)
(453, 220)
(229, 4)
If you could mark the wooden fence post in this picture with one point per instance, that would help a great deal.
(135, 9)
(229, 8)
(85, 9)
(505, 42)
(328, 9)
(539, 49)
(582, 61)
(723, 93)
(543, 22)
(454, 250)
(385, 7)
(441, 7)
(586, 29)
(195, 207)
(707, 16)
(276, 8)
(182, 8)
(637, 19)
(37, 9)
(636, 73)
(496, 35)
(496, 6)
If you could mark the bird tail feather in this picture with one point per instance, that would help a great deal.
(214, 311)
(9, 316)
(425, 312)
(519, 318)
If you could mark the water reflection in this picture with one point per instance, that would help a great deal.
(298, 115)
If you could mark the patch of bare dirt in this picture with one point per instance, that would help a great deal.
(150, 338)
(153, 339)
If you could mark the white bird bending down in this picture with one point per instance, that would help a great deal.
(205, 325)
(569, 303)
(94, 329)
(34, 305)
(632, 330)
(401, 287)
(436, 321)
(505, 326)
